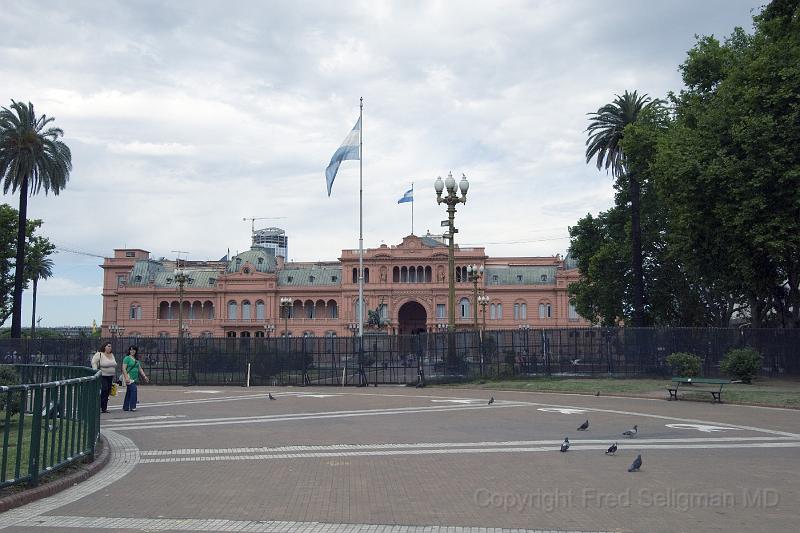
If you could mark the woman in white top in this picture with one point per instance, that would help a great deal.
(104, 361)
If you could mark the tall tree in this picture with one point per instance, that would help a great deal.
(9, 218)
(38, 266)
(31, 158)
(604, 144)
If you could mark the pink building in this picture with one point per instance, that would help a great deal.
(408, 282)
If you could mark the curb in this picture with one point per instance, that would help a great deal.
(57, 485)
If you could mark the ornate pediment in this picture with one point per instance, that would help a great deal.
(411, 242)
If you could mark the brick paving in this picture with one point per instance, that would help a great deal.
(396, 459)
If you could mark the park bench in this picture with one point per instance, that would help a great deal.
(716, 393)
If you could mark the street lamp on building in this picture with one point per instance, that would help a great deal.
(115, 330)
(286, 310)
(483, 301)
(269, 329)
(474, 274)
(451, 199)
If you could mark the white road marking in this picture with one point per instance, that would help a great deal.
(256, 526)
(460, 451)
(417, 445)
(202, 391)
(459, 401)
(308, 416)
(703, 428)
(562, 410)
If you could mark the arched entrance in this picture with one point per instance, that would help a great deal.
(411, 318)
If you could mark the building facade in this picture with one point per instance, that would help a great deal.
(406, 283)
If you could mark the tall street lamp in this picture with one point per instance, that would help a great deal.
(483, 301)
(474, 274)
(181, 277)
(286, 310)
(452, 199)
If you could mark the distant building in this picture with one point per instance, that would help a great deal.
(241, 297)
(274, 239)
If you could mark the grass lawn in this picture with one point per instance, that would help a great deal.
(774, 393)
(23, 452)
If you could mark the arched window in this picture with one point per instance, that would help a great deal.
(355, 275)
(458, 274)
(420, 275)
(523, 311)
(499, 311)
(428, 274)
(208, 309)
(396, 274)
(135, 312)
(412, 275)
(333, 309)
(366, 275)
(404, 274)
(492, 312)
(246, 310)
(545, 310)
(260, 310)
(245, 334)
(163, 310)
(463, 306)
(516, 311)
(231, 334)
(258, 334)
(309, 306)
(233, 310)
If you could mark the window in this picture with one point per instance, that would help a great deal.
(492, 312)
(245, 334)
(245, 310)
(366, 275)
(463, 306)
(334, 278)
(441, 311)
(261, 262)
(523, 311)
(516, 311)
(231, 334)
(499, 311)
(573, 312)
(545, 310)
(258, 334)
(121, 281)
(129, 253)
(355, 275)
(494, 278)
(135, 312)
(396, 274)
(543, 278)
(137, 279)
(260, 310)
(232, 310)
(211, 281)
(289, 279)
(519, 278)
(311, 279)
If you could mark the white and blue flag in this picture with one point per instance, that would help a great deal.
(349, 150)
(407, 197)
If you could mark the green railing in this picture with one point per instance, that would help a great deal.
(51, 420)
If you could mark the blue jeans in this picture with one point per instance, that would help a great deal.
(130, 397)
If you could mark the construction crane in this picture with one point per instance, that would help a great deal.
(71, 251)
(253, 221)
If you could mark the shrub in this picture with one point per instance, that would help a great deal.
(8, 377)
(742, 363)
(684, 364)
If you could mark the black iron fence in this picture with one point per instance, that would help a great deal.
(434, 356)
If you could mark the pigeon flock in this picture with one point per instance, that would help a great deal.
(612, 450)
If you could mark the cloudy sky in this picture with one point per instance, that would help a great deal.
(185, 117)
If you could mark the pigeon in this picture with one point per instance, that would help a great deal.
(631, 433)
(597, 393)
(491, 400)
(271, 397)
(612, 450)
(565, 445)
(636, 465)
(584, 426)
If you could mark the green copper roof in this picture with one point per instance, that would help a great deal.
(520, 275)
(310, 277)
(198, 279)
(261, 258)
(143, 271)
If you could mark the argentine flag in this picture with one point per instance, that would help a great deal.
(349, 150)
(407, 197)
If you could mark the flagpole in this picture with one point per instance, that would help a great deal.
(412, 208)
(360, 221)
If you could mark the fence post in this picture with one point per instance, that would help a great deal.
(36, 437)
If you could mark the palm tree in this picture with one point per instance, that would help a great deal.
(31, 157)
(39, 266)
(606, 130)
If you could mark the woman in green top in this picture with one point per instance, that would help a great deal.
(131, 369)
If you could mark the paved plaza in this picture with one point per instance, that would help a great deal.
(397, 459)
